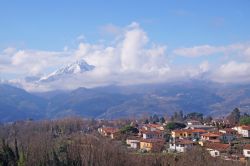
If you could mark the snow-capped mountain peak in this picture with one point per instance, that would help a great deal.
(79, 66)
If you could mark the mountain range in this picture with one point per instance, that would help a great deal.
(113, 102)
(79, 66)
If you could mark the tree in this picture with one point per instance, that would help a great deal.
(129, 129)
(175, 125)
(162, 120)
(195, 116)
(8, 155)
(146, 121)
(234, 117)
(208, 119)
(245, 121)
(178, 116)
(155, 118)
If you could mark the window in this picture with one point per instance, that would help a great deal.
(248, 152)
(216, 153)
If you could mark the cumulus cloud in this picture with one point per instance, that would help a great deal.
(233, 67)
(132, 53)
(130, 59)
(30, 62)
(232, 72)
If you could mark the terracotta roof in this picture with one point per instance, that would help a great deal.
(217, 146)
(184, 142)
(133, 138)
(110, 130)
(245, 127)
(153, 140)
(190, 131)
(151, 132)
(228, 130)
(152, 125)
(211, 135)
(214, 141)
(247, 146)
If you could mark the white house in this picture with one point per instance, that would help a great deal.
(246, 150)
(133, 142)
(153, 127)
(216, 149)
(204, 127)
(157, 134)
(181, 145)
(243, 130)
(193, 122)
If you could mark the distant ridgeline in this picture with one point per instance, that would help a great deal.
(195, 98)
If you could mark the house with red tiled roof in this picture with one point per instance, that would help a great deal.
(243, 130)
(217, 149)
(133, 142)
(156, 134)
(155, 145)
(153, 127)
(246, 150)
(211, 137)
(187, 133)
(228, 131)
(180, 145)
(109, 131)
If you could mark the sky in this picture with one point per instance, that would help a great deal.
(128, 41)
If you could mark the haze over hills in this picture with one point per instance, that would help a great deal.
(112, 102)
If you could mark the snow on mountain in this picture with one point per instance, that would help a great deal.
(79, 66)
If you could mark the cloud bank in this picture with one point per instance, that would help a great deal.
(131, 58)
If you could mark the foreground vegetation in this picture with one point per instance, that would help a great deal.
(74, 142)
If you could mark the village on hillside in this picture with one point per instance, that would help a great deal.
(226, 138)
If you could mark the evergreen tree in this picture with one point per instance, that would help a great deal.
(162, 120)
(146, 121)
(155, 118)
(234, 117)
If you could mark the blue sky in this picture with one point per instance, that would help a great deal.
(191, 35)
(50, 25)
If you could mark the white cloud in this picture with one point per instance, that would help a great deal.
(132, 56)
(130, 59)
(232, 72)
(30, 62)
(9, 50)
(205, 50)
(198, 51)
(80, 38)
(132, 53)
